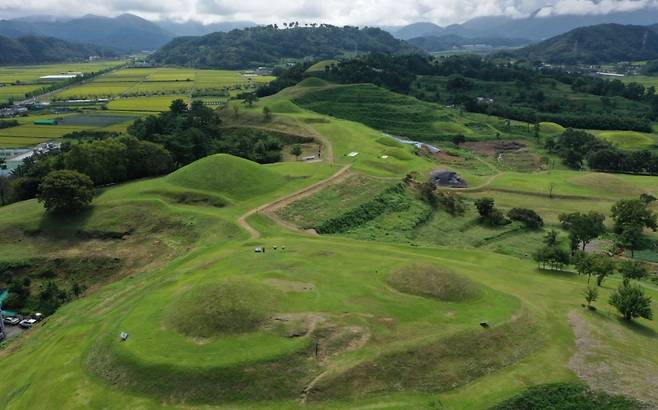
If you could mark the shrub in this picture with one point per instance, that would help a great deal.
(526, 216)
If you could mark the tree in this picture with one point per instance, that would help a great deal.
(631, 302)
(526, 216)
(583, 228)
(177, 107)
(484, 206)
(550, 238)
(296, 150)
(550, 189)
(267, 113)
(458, 139)
(633, 270)
(65, 191)
(631, 216)
(591, 294)
(552, 256)
(599, 266)
(248, 98)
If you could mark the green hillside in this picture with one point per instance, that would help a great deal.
(603, 43)
(268, 45)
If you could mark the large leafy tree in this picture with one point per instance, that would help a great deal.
(65, 191)
(583, 227)
(631, 302)
(631, 217)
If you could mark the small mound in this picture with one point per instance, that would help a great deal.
(551, 128)
(449, 127)
(312, 82)
(389, 142)
(228, 307)
(629, 140)
(608, 184)
(320, 66)
(428, 281)
(399, 153)
(235, 177)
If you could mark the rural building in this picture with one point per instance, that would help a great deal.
(60, 77)
(13, 162)
(447, 178)
(45, 122)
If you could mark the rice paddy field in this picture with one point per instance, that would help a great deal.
(140, 82)
(16, 81)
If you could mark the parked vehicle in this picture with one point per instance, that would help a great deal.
(11, 320)
(28, 323)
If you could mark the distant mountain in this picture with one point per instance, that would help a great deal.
(451, 41)
(603, 43)
(268, 45)
(538, 26)
(125, 32)
(195, 28)
(33, 50)
(422, 29)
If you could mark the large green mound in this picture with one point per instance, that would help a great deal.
(439, 366)
(229, 306)
(232, 176)
(429, 281)
(375, 107)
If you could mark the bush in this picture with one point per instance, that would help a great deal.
(65, 191)
(526, 216)
(631, 302)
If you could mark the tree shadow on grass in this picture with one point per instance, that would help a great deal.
(638, 328)
(61, 225)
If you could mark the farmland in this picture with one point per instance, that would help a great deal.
(403, 307)
(134, 92)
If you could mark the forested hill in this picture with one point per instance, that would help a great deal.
(603, 43)
(266, 45)
(34, 50)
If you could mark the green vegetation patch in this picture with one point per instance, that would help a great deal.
(236, 177)
(226, 307)
(439, 366)
(375, 107)
(332, 201)
(429, 281)
(567, 396)
(313, 82)
(629, 140)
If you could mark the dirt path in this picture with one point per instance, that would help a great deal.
(270, 207)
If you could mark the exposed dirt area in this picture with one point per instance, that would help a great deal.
(601, 369)
(510, 154)
(491, 149)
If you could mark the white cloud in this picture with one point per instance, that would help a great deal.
(354, 12)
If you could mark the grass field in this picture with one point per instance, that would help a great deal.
(386, 314)
(630, 140)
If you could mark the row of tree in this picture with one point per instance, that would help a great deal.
(577, 148)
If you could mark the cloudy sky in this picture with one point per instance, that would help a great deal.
(355, 12)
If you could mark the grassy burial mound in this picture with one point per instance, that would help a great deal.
(438, 366)
(429, 281)
(230, 306)
(235, 177)
(375, 107)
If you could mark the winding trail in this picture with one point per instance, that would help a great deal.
(270, 207)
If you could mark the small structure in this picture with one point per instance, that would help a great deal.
(484, 324)
(45, 122)
(123, 336)
(447, 178)
(259, 249)
(353, 154)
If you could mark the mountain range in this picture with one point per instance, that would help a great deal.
(34, 50)
(126, 32)
(535, 27)
(603, 43)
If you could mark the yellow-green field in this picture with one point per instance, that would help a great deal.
(138, 82)
(630, 140)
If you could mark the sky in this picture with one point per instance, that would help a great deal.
(339, 12)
